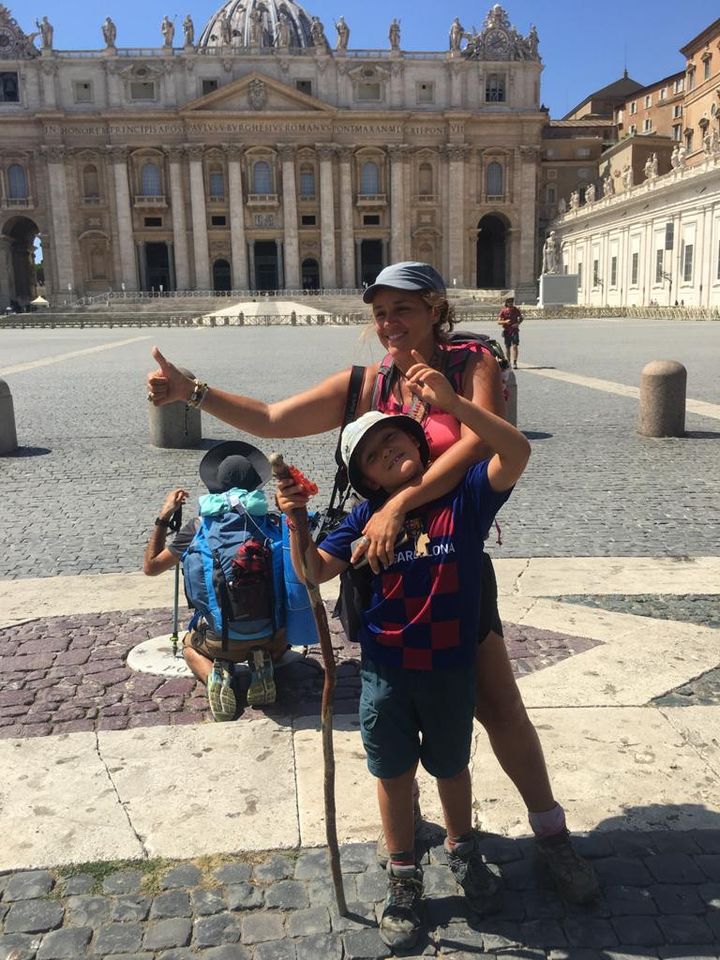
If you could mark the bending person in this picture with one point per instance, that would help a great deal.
(411, 312)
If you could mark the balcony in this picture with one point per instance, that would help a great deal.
(371, 200)
(17, 203)
(92, 201)
(148, 201)
(426, 198)
(216, 198)
(262, 200)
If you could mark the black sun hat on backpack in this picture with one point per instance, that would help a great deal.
(234, 463)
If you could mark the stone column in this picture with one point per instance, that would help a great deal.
(62, 236)
(280, 264)
(199, 218)
(347, 234)
(526, 203)
(358, 263)
(398, 228)
(252, 283)
(290, 217)
(456, 220)
(326, 152)
(240, 280)
(128, 260)
(49, 73)
(177, 206)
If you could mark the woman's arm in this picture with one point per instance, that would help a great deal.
(313, 411)
(483, 387)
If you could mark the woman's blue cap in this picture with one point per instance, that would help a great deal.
(409, 275)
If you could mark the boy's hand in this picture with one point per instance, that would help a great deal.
(290, 496)
(431, 386)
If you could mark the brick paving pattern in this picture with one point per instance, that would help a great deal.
(660, 899)
(67, 674)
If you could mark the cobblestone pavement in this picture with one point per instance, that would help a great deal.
(82, 493)
(68, 674)
(660, 898)
(702, 691)
(702, 609)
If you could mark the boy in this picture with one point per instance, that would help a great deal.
(510, 319)
(419, 632)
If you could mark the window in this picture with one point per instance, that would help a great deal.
(596, 273)
(369, 178)
(217, 185)
(677, 110)
(632, 129)
(613, 271)
(688, 263)
(142, 90)
(9, 89)
(495, 88)
(371, 220)
(659, 264)
(583, 152)
(662, 93)
(208, 86)
(635, 264)
(425, 92)
(153, 221)
(91, 182)
(261, 180)
(218, 220)
(677, 131)
(425, 180)
(308, 220)
(369, 91)
(648, 101)
(17, 182)
(706, 67)
(307, 180)
(633, 106)
(551, 193)
(150, 180)
(647, 125)
(679, 85)
(304, 86)
(494, 179)
(691, 78)
(83, 91)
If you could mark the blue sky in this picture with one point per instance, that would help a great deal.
(583, 47)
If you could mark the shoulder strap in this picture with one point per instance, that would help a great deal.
(383, 382)
(341, 485)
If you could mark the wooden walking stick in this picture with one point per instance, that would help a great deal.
(281, 471)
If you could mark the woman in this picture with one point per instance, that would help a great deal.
(411, 312)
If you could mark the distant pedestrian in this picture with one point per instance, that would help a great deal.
(510, 319)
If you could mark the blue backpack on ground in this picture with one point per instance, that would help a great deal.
(237, 578)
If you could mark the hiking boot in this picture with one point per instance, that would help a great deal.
(221, 695)
(382, 852)
(262, 690)
(400, 921)
(574, 876)
(482, 889)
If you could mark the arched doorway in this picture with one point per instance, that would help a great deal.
(371, 260)
(266, 265)
(310, 274)
(18, 275)
(491, 253)
(221, 276)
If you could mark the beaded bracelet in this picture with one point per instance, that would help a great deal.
(198, 395)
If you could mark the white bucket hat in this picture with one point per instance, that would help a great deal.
(356, 430)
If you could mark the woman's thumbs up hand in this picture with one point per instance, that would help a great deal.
(167, 384)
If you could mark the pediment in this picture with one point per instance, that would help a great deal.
(256, 93)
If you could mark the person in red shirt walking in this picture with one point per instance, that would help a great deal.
(510, 319)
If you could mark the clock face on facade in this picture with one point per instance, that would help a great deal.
(497, 43)
(6, 39)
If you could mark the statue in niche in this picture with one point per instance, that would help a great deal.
(189, 31)
(574, 200)
(283, 30)
(167, 29)
(394, 34)
(674, 157)
(647, 169)
(590, 193)
(225, 29)
(317, 32)
(256, 29)
(109, 32)
(343, 34)
(608, 185)
(707, 142)
(562, 205)
(46, 33)
(551, 254)
(457, 32)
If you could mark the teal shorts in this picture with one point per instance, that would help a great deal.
(408, 716)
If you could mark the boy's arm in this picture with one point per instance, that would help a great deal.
(321, 566)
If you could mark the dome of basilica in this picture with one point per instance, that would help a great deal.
(258, 23)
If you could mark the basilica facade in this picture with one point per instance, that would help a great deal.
(262, 154)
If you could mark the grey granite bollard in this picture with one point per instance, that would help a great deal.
(662, 399)
(175, 425)
(511, 403)
(8, 435)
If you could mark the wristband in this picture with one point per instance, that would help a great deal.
(159, 522)
(290, 525)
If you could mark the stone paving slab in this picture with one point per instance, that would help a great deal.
(660, 898)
